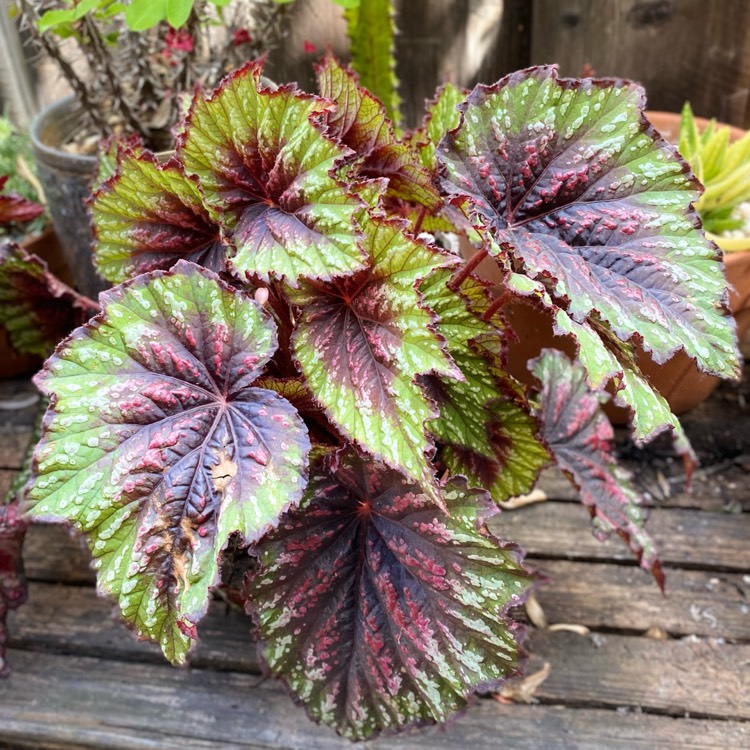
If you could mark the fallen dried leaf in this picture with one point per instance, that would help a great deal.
(535, 496)
(657, 633)
(569, 627)
(535, 612)
(522, 690)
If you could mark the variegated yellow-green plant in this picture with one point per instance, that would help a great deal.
(723, 168)
(289, 362)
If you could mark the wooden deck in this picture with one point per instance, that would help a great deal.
(653, 672)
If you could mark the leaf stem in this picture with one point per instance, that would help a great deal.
(463, 273)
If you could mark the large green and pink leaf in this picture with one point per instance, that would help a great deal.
(580, 437)
(361, 123)
(378, 609)
(147, 216)
(361, 342)
(568, 180)
(441, 116)
(37, 309)
(158, 446)
(269, 170)
(484, 427)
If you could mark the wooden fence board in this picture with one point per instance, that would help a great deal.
(679, 49)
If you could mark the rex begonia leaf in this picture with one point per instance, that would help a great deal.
(12, 580)
(442, 115)
(569, 180)
(147, 216)
(263, 164)
(650, 411)
(159, 448)
(362, 340)
(580, 438)
(360, 122)
(36, 308)
(485, 432)
(378, 609)
(16, 208)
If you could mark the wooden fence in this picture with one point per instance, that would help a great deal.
(679, 49)
(697, 50)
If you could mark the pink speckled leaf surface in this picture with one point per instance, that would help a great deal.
(158, 446)
(580, 437)
(378, 609)
(262, 162)
(362, 340)
(569, 183)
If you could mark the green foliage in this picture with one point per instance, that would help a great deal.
(722, 167)
(372, 29)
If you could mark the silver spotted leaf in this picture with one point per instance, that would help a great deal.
(379, 610)
(148, 215)
(568, 180)
(158, 446)
(580, 437)
(265, 166)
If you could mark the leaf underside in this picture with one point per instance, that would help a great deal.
(158, 446)
(268, 170)
(568, 181)
(36, 309)
(580, 437)
(379, 610)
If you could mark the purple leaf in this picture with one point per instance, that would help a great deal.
(36, 308)
(360, 122)
(147, 216)
(16, 208)
(159, 447)
(362, 340)
(580, 437)
(379, 610)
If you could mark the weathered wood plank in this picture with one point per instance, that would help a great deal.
(677, 677)
(685, 538)
(75, 620)
(60, 618)
(71, 702)
(604, 670)
(617, 597)
(13, 443)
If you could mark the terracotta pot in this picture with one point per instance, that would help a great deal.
(66, 179)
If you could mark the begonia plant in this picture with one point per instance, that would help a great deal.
(290, 363)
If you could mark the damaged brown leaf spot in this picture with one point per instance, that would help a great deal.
(223, 473)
